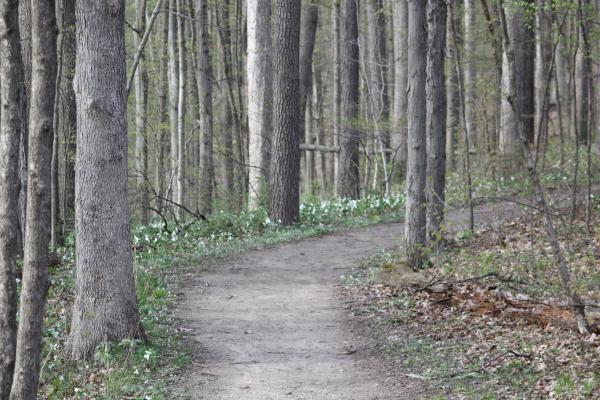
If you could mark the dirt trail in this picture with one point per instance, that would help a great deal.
(269, 324)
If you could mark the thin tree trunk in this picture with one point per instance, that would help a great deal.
(162, 99)
(416, 237)
(470, 77)
(25, 33)
(10, 125)
(285, 169)
(400, 135)
(67, 121)
(452, 100)
(206, 110)
(181, 54)
(173, 97)
(348, 170)
(436, 118)
(141, 118)
(38, 219)
(336, 89)
(54, 181)
(105, 307)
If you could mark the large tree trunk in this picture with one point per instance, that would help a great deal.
(67, 121)
(37, 226)
(399, 136)
(470, 77)
(417, 132)
(523, 38)
(285, 168)
(205, 106)
(348, 184)
(10, 125)
(105, 301)
(436, 118)
(260, 96)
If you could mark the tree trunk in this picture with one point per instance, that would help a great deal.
(348, 171)
(285, 169)
(10, 125)
(436, 118)
(583, 70)
(67, 121)
(399, 137)
(260, 96)
(141, 119)
(452, 99)
(470, 76)
(105, 306)
(25, 33)
(417, 133)
(173, 98)
(523, 37)
(37, 226)
(181, 43)
(308, 30)
(336, 95)
(205, 106)
(543, 63)
(162, 130)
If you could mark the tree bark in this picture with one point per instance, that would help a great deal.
(141, 117)
(436, 118)
(67, 121)
(260, 98)
(173, 98)
(162, 99)
(524, 39)
(10, 125)
(37, 229)
(348, 184)
(336, 96)
(206, 110)
(105, 307)
(25, 32)
(452, 99)
(285, 168)
(400, 134)
(181, 54)
(417, 132)
(470, 75)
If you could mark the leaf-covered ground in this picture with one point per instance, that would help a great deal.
(490, 320)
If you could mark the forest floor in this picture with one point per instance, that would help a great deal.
(273, 323)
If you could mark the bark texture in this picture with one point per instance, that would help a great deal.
(399, 135)
(436, 117)
(105, 306)
(141, 117)
(38, 220)
(205, 106)
(285, 168)
(470, 77)
(348, 184)
(417, 133)
(10, 125)
(523, 40)
(260, 97)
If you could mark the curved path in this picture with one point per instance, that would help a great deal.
(269, 324)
